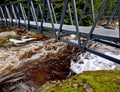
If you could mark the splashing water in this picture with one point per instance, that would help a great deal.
(23, 68)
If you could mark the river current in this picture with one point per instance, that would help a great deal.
(26, 66)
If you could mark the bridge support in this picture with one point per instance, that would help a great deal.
(95, 23)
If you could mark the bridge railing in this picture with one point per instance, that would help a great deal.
(42, 16)
(22, 9)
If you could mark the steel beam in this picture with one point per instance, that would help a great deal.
(96, 21)
(53, 12)
(14, 13)
(76, 23)
(62, 18)
(51, 17)
(28, 26)
(34, 15)
(18, 14)
(70, 14)
(92, 10)
(118, 9)
(8, 13)
(23, 13)
(111, 16)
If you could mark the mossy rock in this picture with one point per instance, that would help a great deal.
(90, 81)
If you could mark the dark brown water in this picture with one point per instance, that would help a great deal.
(34, 73)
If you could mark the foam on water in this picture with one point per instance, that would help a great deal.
(25, 67)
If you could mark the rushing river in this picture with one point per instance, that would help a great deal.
(28, 60)
(24, 67)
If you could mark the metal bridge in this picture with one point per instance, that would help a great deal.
(41, 16)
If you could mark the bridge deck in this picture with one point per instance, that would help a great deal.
(99, 32)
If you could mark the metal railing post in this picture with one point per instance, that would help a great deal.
(118, 9)
(53, 11)
(11, 14)
(42, 16)
(23, 13)
(39, 11)
(51, 17)
(14, 13)
(95, 23)
(28, 26)
(39, 7)
(62, 17)
(34, 15)
(111, 16)
(8, 13)
(83, 12)
(18, 15)
(1, 21)
(3, 16)
(76, 23)
(70, 15)
(47, 17)
(92, 10)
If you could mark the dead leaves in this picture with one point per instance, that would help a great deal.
(87, 87)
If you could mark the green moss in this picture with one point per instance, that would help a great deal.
(96, 81)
